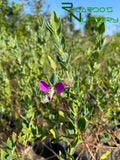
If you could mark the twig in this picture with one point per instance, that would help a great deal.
(90, 152)
(110, 134)
(89, 144)
(93, 144)
(49, 157)
(51, 151)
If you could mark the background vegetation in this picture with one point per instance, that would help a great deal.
(41, 46)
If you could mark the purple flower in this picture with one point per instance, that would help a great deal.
(59, 87)
(44, 86)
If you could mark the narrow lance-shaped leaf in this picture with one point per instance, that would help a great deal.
(9, 143)
(52, 63)
(105, 155)
(55, 23)
(54, 133)
(101, 28)
(53, 78)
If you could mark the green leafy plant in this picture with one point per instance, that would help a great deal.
(44, 58)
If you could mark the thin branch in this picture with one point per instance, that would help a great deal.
(90, 152)
(51, 151)
(89, 144)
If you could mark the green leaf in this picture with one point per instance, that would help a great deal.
(65, 140)
(21, 138)
(105, 155)
(9, 143)
(30, 113)
(44, 131)
(49, 27)
(42, 60)
(81, 123)
(14, 137)
(59, 59)
(3, 155)
(67, 81)
(95, 55)
(52, 63)
(101, 28)
(11, 157)
(55, 23)
(25, 123)
(26, 131)
(71, 128)
(54, 133)
(62, 42)
(60, 155)
(65, 56)
(63, 66)
(61, 113)
(72, 151)
(62, 116)
(53, 79)
(73, 145)
(64, 129)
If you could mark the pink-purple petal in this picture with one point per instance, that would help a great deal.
(44, 86)
(59, 87)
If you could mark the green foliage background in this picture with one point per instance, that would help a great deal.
(41, 46)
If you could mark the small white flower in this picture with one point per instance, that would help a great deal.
(45, 99)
